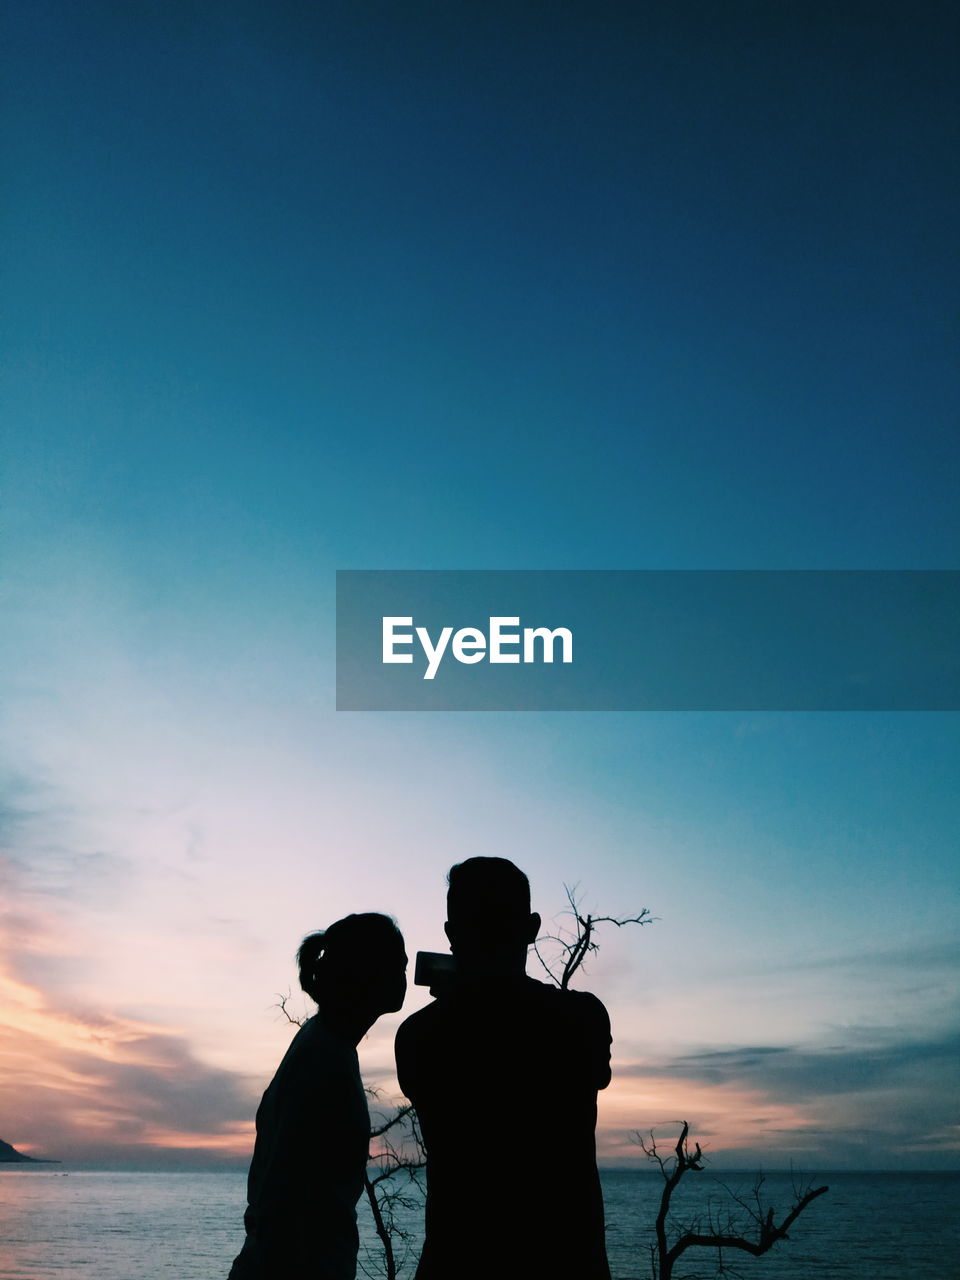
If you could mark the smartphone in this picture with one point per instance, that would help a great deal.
(434, 969)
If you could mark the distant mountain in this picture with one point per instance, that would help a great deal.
(10, 1155)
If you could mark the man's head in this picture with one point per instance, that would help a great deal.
(489, 921)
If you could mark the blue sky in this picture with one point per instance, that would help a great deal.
(354, 286)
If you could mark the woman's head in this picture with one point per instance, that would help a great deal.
(357, 964)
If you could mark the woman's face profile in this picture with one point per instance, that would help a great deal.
(380, 982)
(395, 979)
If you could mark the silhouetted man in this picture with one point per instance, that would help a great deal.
(504, 1073)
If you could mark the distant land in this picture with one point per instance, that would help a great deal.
(10, 1155)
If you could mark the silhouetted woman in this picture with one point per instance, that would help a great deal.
(312, 1124)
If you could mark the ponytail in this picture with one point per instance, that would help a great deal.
(344, 950)
(308, 962)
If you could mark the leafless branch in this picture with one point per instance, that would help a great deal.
(572, 945)
(391, 1185)
(282, 1002)
(398, 1117)
(722, 1232)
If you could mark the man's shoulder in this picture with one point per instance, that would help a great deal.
(531, 993)
(421, 1023)
(582, 1024)
(577, 1004)
(415, 1044)
(516, 1022)
(424, 1017)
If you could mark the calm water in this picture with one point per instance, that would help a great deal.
(154, 1226)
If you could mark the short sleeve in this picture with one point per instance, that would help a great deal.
(598, 1038)
(405, 1052)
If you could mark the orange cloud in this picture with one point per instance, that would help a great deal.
(76, 1082)
(727, 1117)
(237, 1141)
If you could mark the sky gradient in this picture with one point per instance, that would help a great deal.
(309, 287)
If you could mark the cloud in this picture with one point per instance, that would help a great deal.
(789, 1073)
(877, 1101)
(99, 1061)
(79, 1083)
(935, 955)
(83, 1081)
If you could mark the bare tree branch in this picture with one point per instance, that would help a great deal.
(574, 944)
(398, 1117)
(721, 1231)
(391, 1185)
(281, 1004)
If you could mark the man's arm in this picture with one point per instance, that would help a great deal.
(598, 1040)
(405, 1052)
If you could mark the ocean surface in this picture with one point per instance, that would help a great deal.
(57, 1224)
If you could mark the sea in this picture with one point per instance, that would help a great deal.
(56, 1224)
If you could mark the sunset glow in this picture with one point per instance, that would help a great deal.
(284, 298)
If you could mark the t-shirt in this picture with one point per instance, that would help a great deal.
(504, 1076)
(313, 1131)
